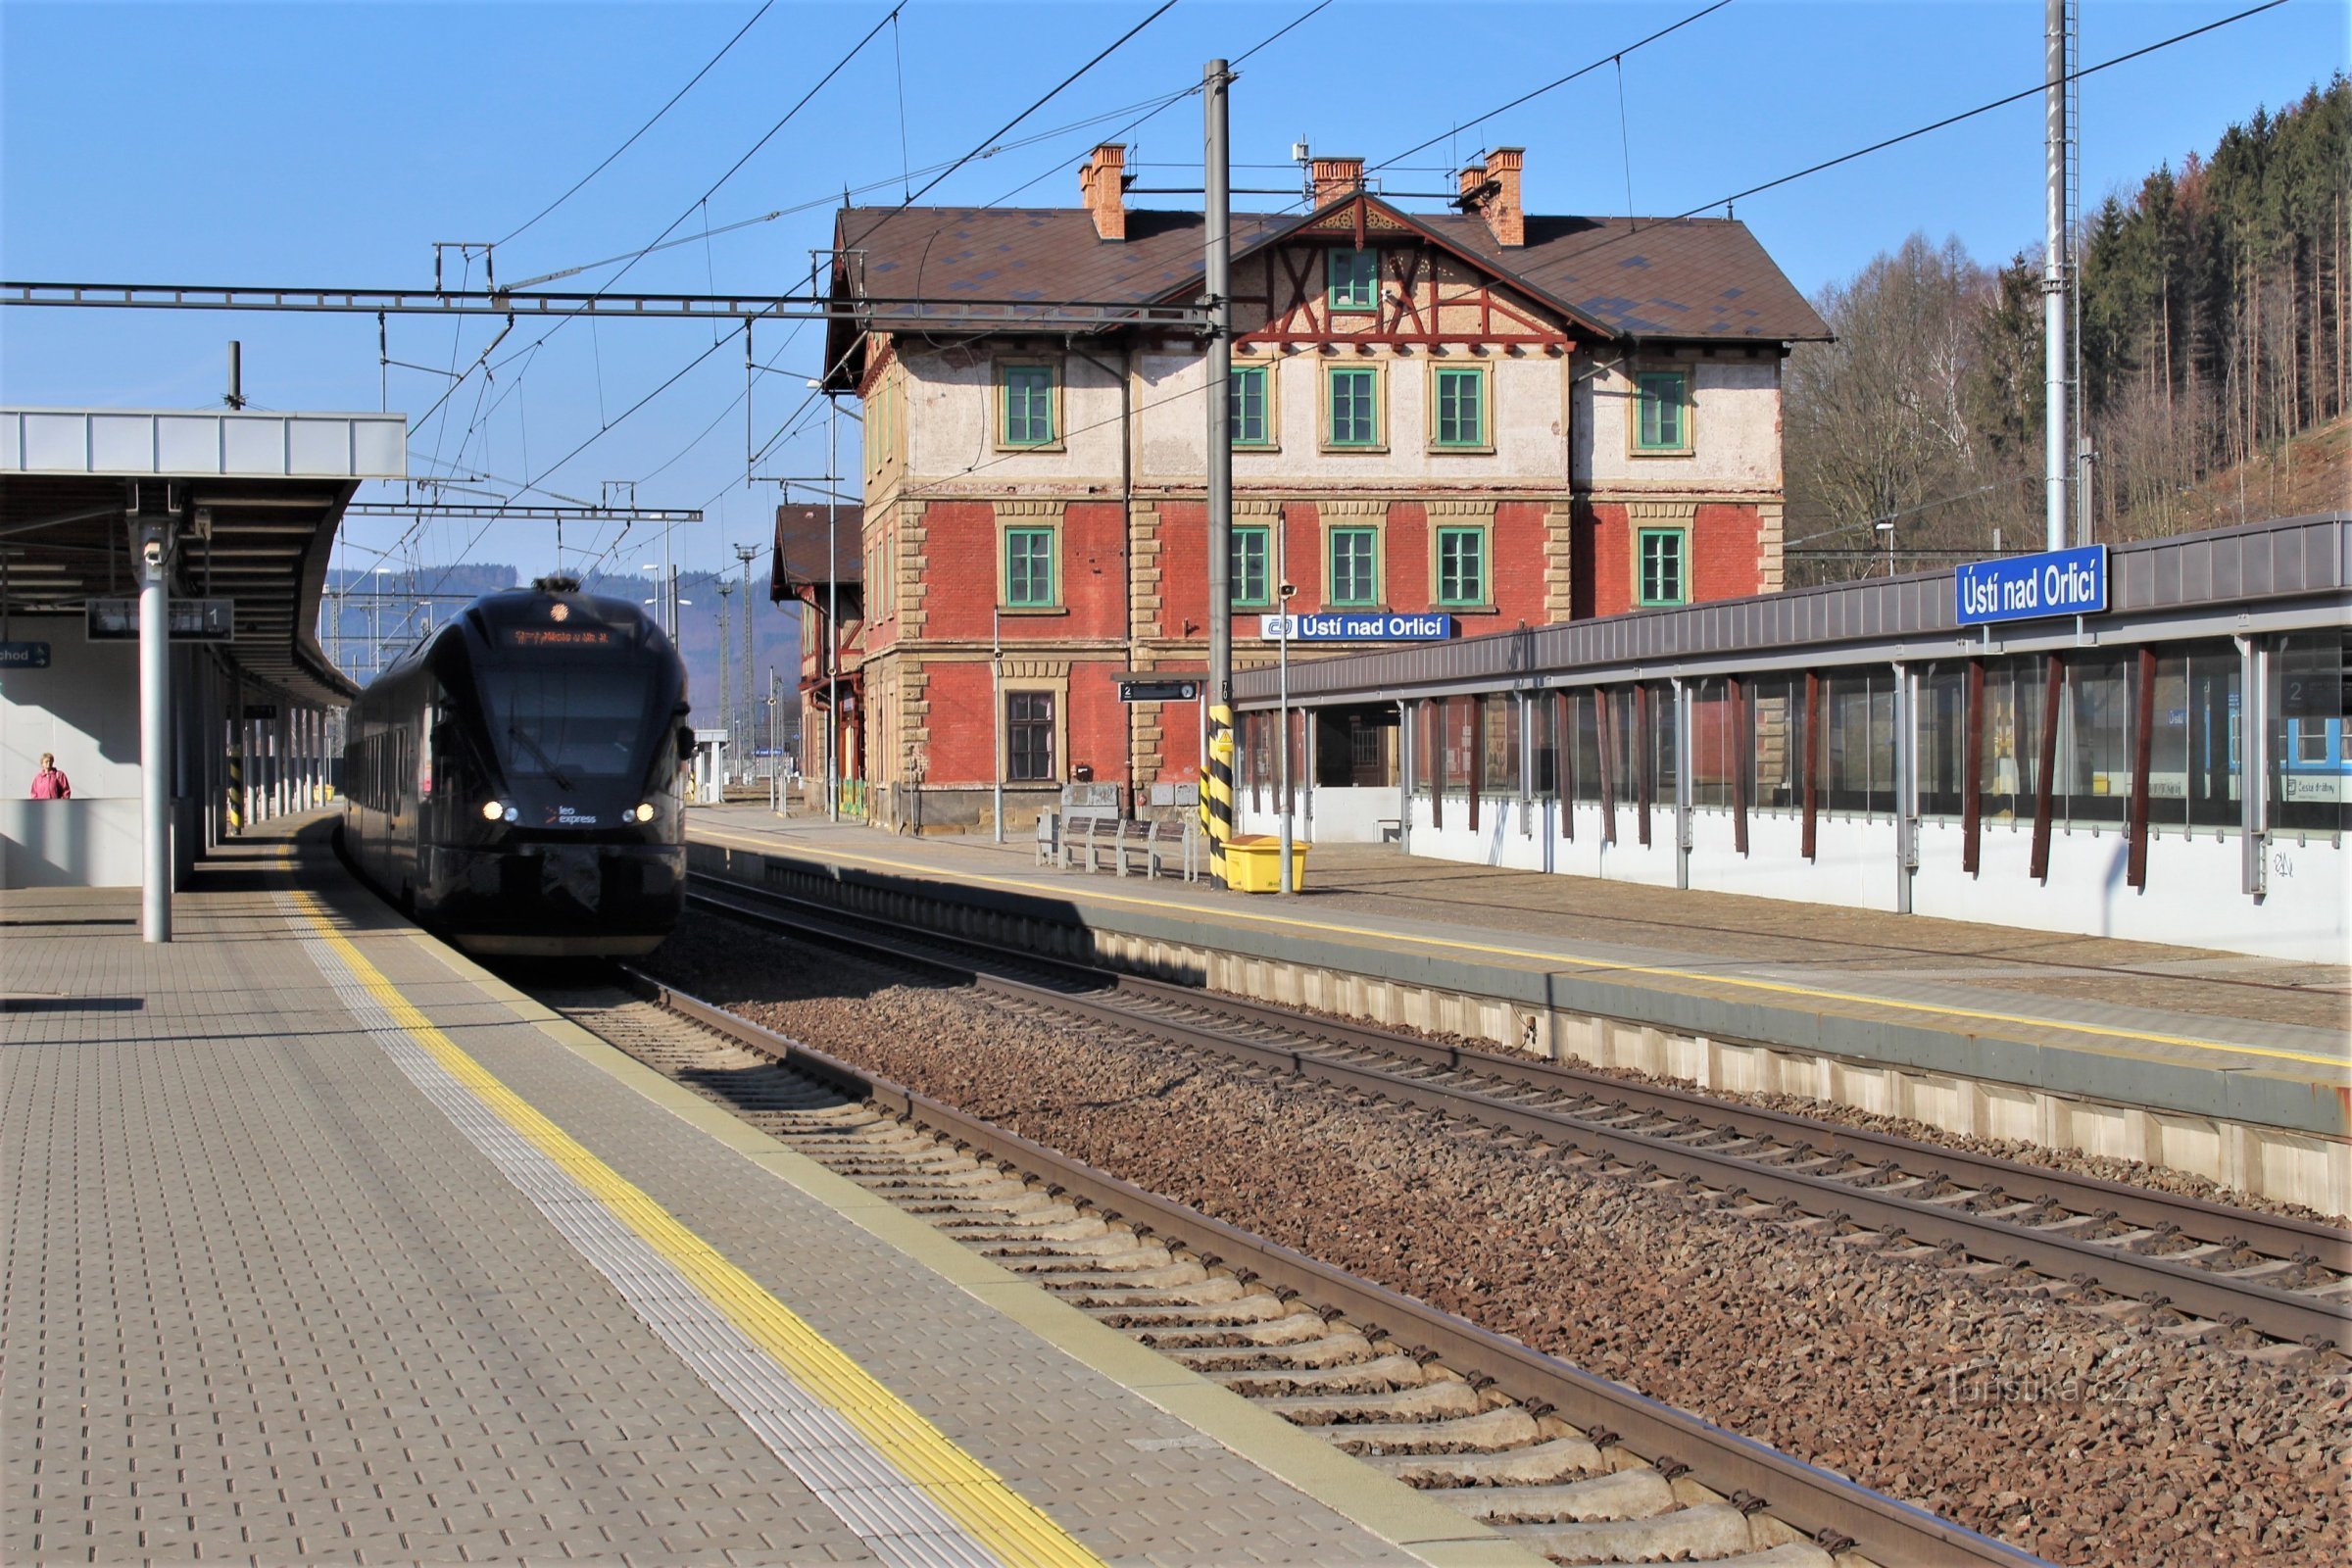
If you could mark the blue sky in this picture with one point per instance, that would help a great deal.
(332, 144)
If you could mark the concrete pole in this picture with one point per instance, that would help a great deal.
(1216, 778)
(154, 728)
(2057, 452)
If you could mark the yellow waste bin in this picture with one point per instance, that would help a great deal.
(1253, 862)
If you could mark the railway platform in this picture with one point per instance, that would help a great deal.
(2228, 1066)
(324, 1244)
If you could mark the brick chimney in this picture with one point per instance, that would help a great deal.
(1102, 182)
(1335, 178)
(1493, 193)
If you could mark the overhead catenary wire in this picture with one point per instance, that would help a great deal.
(1558, 82)
(581, 183)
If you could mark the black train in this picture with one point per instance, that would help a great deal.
(514, 781)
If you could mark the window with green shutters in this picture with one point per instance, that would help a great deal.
(1354, 279)
(1461, 407)
(1354, 567)
(1663, 411)
(1029, 569)
(1028, 414)
(1249, 421)
(1663, 575)
(1251, 550)
(1461, 566)
(1354, 394)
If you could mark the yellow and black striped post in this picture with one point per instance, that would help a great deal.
(1216, 790)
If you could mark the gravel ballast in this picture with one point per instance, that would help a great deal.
(2071, 1430)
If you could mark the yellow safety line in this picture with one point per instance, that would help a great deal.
(1655, 971)
(966, 1490)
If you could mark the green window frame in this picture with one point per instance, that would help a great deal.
(1026, 405)
(1662, 562)
(1251, 567)
(1354, 561)
(1662, 412)
(1461, 407)
(1461, 566)
(1031, 573)
(1249, 414)
(1353, 277)
(1351, 406)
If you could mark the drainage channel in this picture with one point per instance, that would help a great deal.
(1570, 1465)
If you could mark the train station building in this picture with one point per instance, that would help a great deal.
(1443, 425)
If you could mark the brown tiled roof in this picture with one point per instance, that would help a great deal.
(1698, 278)
(802, 556)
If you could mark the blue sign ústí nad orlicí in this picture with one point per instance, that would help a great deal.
(2058, 583)
(1358, 626)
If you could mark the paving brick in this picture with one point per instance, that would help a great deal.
(266, 1301)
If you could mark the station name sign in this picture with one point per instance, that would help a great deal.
(193, 620)
(2058, 583)
(1357, 627)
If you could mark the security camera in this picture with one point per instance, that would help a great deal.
(154, 551)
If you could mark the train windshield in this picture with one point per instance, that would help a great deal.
(569, 723)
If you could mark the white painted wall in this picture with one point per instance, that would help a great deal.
(1527, 394)
(2193, 898)
(81, 843)
(950, 425)
(1326, 816)
(951, 420)
(1735, 427)
(85, 707)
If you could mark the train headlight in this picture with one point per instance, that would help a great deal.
(492, 810)
(645, 811)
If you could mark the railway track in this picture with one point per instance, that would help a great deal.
(2271, 1285)
(1569, 1465)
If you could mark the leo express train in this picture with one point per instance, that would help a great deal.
(513, 781)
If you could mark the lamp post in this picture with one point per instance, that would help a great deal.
(1888, 528)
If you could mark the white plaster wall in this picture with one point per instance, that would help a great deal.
(1345, 815)
(81, 843)
(1528, 397)
(1854, 864)
(1735, 427)
(952, 421)
(2193, 898)
(85, 707)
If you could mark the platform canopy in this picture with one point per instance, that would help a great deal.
(254, 501)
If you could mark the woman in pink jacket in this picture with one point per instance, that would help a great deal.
(49, 784)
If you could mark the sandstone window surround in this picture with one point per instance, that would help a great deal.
(1355, 406)
(1028, 404)
(1663, 413)
(1461, 555)
(1661, 551)
(1029, 560)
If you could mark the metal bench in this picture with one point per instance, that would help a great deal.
(1087, 830)
(1159, 846)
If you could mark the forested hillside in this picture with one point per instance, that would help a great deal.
(2214, 328)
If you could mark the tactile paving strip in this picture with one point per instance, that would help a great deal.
(868, 1493)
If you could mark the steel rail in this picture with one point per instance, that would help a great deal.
(1835, 1510)
(2201, 1219)
(2279, 1235)
(2154, 1281)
